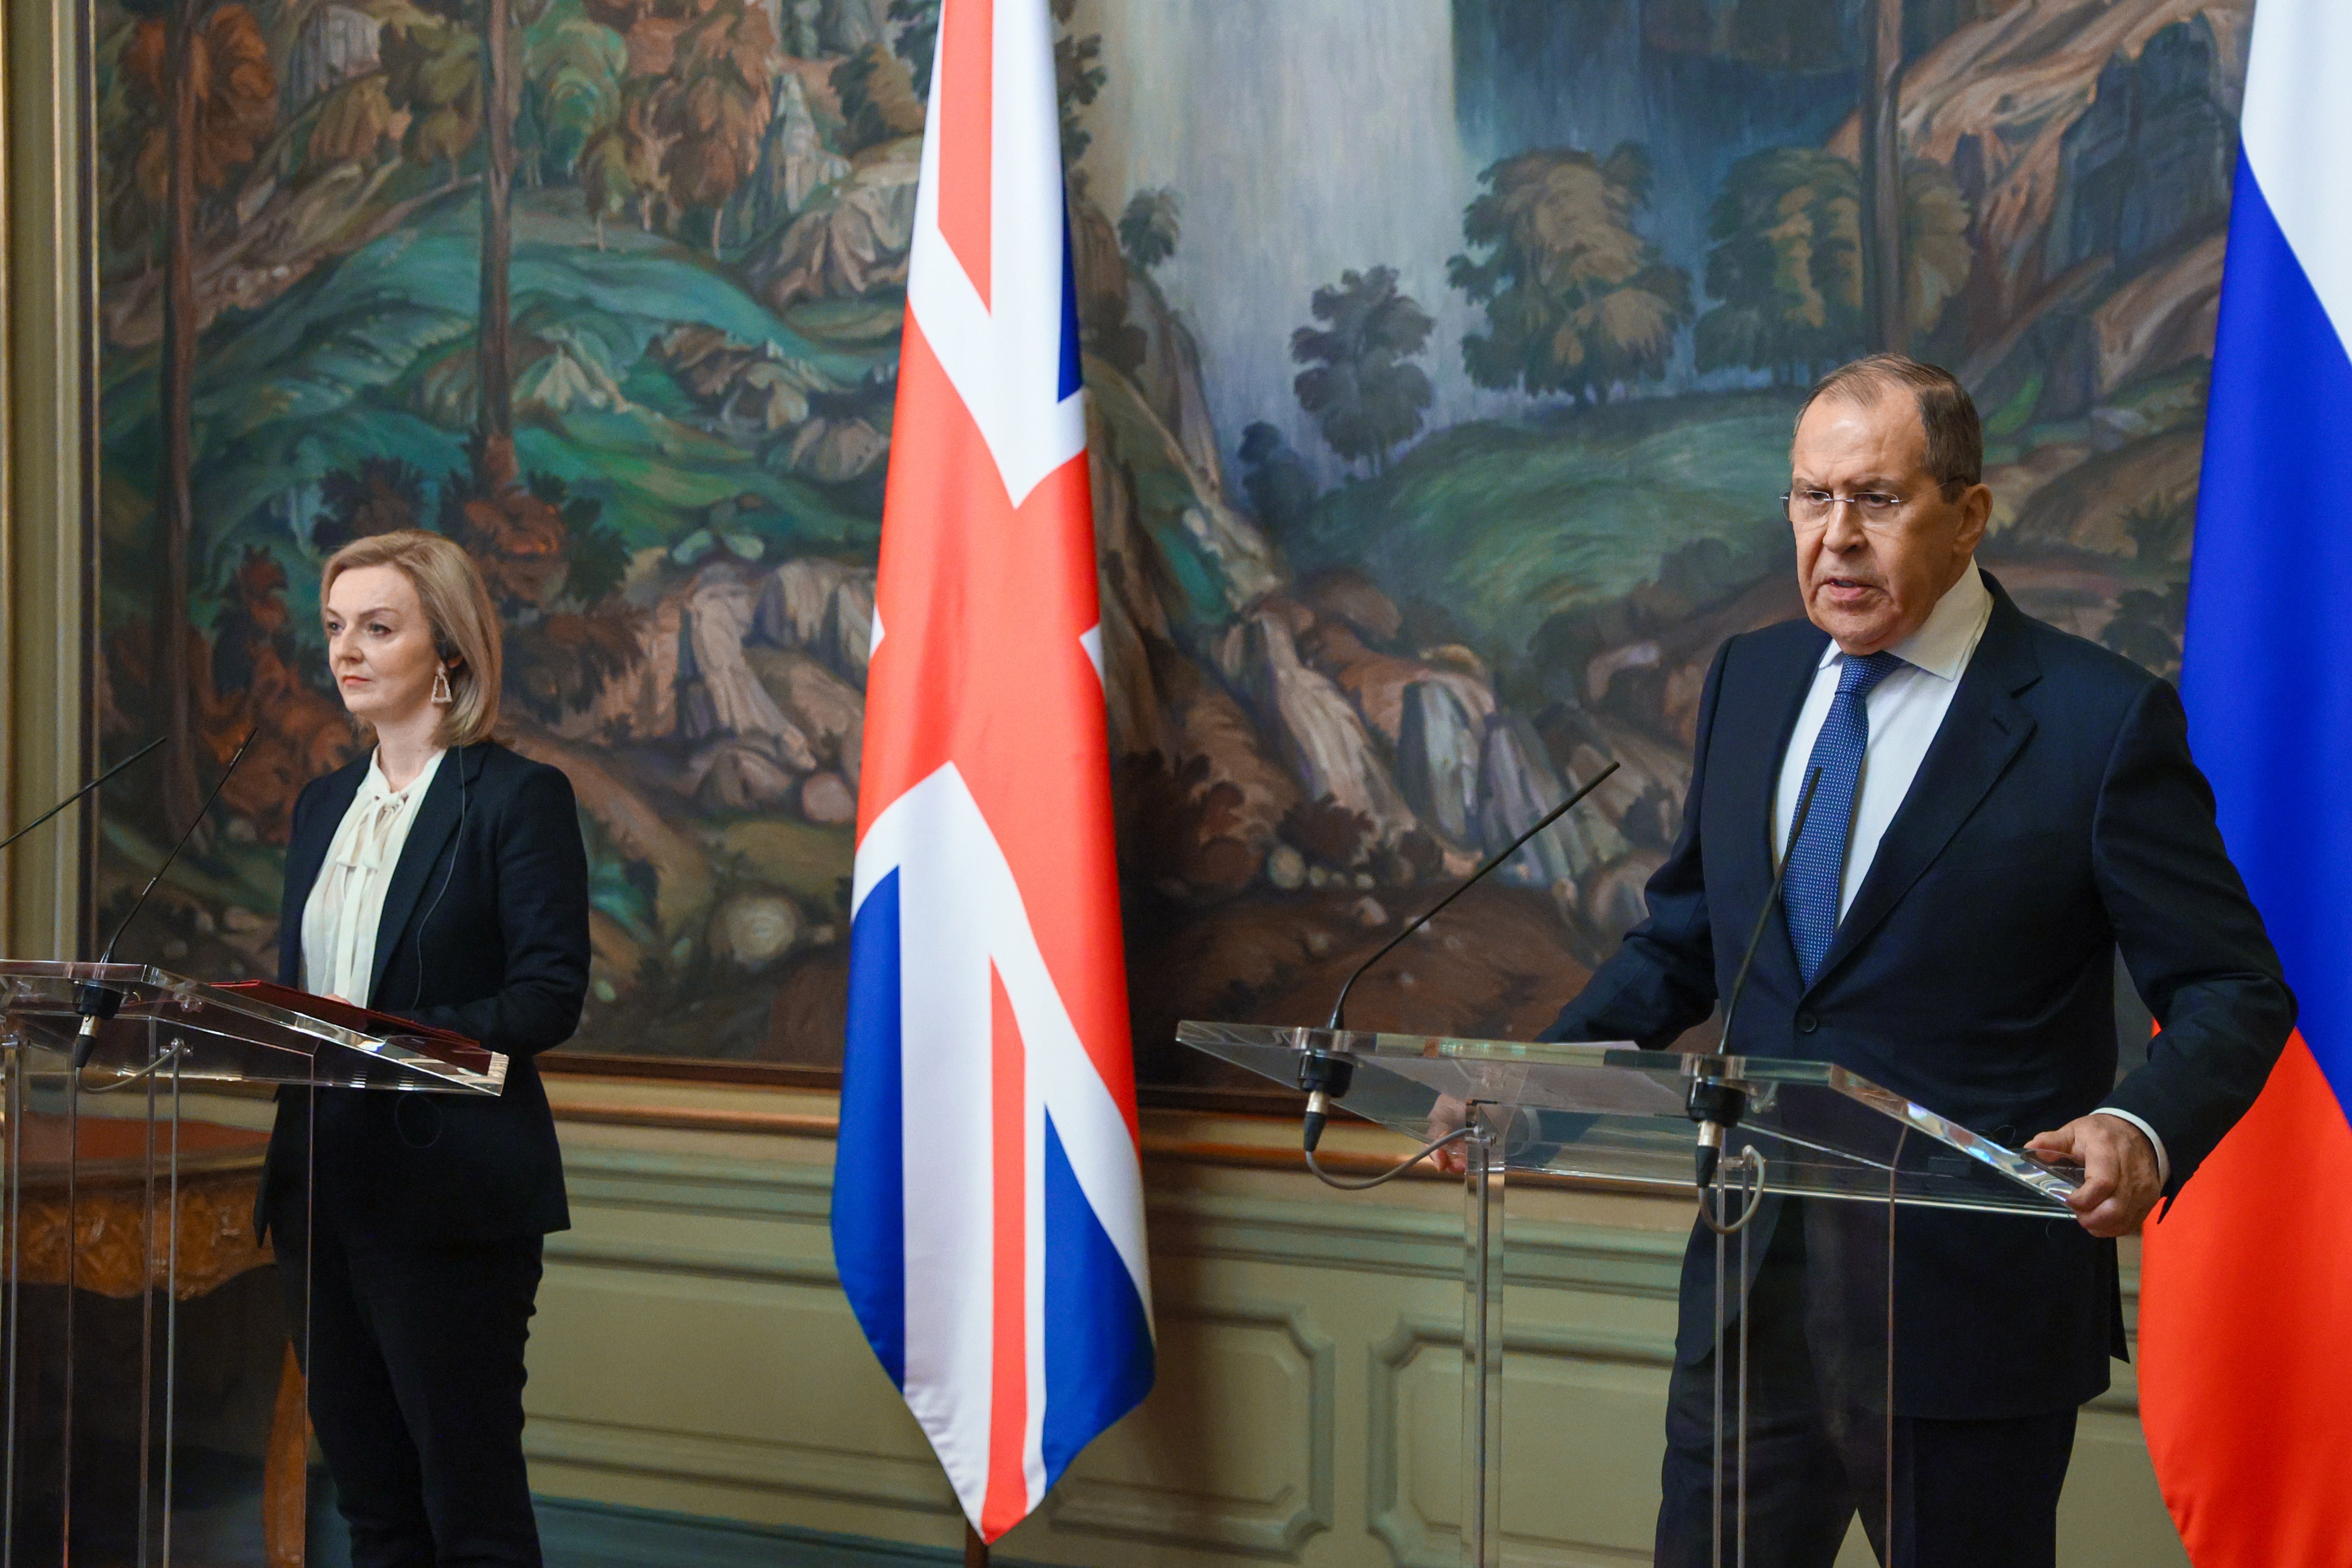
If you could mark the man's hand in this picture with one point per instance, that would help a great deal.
(2119, 1180)
(1444, 1117)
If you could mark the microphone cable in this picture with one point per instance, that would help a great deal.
(1349, 1184)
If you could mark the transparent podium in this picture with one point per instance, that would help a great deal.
(1786, 1129)
(127, 1188)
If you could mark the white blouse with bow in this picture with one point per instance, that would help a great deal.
(346, 904)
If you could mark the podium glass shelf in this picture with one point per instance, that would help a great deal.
(221, 1036)
(1795, 1129)
(127, 1188)
(1617, 1112)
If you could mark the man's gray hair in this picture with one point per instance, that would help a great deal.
(1946, 412)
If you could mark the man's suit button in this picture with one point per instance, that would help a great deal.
(1806, 1023)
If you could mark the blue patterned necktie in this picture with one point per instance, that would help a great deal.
(1809, 896)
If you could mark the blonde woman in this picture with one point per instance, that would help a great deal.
(440, 877)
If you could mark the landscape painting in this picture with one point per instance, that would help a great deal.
(1441, 362)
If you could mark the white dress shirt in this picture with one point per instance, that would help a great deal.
(1907, 708)
(346, 904)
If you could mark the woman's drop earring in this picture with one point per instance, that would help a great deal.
(442, 695)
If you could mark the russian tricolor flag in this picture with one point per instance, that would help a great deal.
(2246, 1325)
(988, 1202)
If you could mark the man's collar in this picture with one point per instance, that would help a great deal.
(1942, 645)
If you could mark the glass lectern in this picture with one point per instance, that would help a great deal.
(126, 1191)
(1793, 1129)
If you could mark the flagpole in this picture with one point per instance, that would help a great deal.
(975, 1550)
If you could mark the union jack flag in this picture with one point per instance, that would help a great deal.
(988, 1203)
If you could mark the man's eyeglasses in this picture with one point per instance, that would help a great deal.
(1811, 507)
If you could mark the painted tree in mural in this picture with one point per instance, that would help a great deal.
(919, 39)
(614, 172)
(718, 109)
(1785, 260)
(671, 111)
(878, 101)
(547, 561)
(1149, 227)
(494, 389)
(1936, 254)
(1577, 300)
(2148, 621)
(206, 99)
(1359, 384)
(1079, 78)
(352, 124)
(1882, 232)
(572, 71)
(432, 73)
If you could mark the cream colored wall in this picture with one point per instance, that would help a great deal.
(693, 1354)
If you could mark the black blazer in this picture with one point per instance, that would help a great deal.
(485, 931)
(2057, 818)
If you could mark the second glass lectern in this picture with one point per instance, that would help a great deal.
(131, 1161)
(1782, 1130)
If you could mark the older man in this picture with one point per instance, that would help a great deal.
(2001, 808)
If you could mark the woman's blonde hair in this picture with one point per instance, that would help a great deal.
(457, 610)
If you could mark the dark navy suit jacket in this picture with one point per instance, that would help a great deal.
(2057, 818)
(485, 931)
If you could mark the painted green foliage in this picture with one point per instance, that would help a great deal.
(1577, 300)
(1785, 260)
(1359, 384)
(1149, 229)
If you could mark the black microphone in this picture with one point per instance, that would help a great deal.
(94, 1001)
(1326, 1076)
(83, 790)
(1715, 1105)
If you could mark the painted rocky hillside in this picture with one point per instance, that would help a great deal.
(1347, 656)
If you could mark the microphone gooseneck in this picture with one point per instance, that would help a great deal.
(1771, 900)
(1326, 1075)
(94, 1001)
(1340, 1003)
(1715, 1105)
(82, 791)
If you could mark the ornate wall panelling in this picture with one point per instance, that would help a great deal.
(1580, 1434)
(693, 1354)
(1237, 1451)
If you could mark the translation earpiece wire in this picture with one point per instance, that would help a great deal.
(456, 848)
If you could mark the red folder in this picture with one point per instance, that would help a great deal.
(441, 1044)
